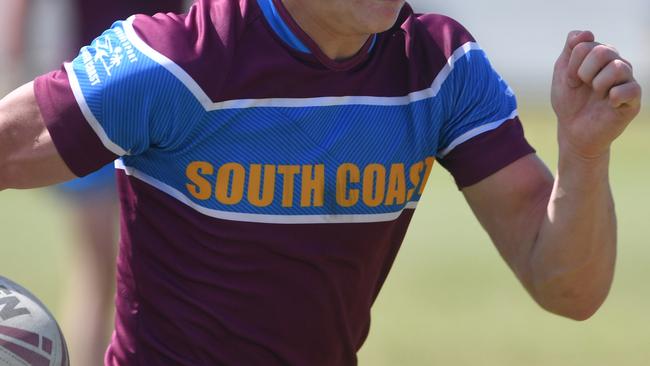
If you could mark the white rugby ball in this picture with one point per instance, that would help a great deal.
(29, 334)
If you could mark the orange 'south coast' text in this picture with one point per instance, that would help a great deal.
(306, 185)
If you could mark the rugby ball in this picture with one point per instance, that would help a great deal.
(29, 334)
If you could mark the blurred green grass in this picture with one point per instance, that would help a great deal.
(450, 300)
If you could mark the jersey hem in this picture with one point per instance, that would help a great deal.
(469, 163)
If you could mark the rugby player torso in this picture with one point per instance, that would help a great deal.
(265, 188)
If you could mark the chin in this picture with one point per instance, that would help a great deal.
(385, 15)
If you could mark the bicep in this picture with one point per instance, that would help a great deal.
(511, 205)
(28, 157)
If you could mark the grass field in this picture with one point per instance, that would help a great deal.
(450, 300)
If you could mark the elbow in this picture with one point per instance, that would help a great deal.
(577, 303)
(576, 292)
(575, 311)
(581, 315)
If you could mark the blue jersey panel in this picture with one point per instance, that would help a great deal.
(474, 95)
(130, 98)
(363, 156)
(378, 156)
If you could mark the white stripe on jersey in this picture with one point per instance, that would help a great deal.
(475, 132)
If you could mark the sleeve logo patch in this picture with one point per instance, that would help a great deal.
(107, 52)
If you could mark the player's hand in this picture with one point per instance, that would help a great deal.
(594, 95)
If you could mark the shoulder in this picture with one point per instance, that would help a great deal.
(205, 36)
(429, 42)
(208, 22)
(446, 33)
(437, 31)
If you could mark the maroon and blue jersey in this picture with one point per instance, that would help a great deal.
(265, 188)
(94, 16)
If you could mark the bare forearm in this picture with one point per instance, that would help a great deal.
(572, 260)
(28, 158)
(595, 96)
(559, 236)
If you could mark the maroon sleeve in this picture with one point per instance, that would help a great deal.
(487, 153)
(75, 140)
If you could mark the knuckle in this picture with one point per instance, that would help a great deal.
(630, 91)
(602, 83)
(583, 48)
(621, 69)
(611, 47)
(603, 53)
(628, 63)
(599, 85)
(572, 35)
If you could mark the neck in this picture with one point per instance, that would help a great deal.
(335, 41)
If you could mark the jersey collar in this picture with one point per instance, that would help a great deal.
(286, 28)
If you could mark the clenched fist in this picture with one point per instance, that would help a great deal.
(594, 95)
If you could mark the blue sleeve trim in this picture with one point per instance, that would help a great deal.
(477, 100)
